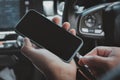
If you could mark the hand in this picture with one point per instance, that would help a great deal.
(101, 59)
(51, 65)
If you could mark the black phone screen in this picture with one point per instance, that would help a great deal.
(49, 35)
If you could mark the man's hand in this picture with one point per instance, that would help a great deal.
(51, 65)
(101, 59)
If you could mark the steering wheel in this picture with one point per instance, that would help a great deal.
(71, 7)
(110, 37)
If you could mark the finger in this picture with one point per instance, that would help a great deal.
(103, 51)
(66, 25)
(92, 60)
(27, 45)
(96, 64)
(100, 51)
(56, 20)
(80, 62)
(27, 42)
(35, 46)
(84, 60)
(72, 31)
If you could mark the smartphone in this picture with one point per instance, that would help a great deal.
(49, 35)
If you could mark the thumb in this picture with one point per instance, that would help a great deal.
(27, 42)
(27, 47)
(92, 60)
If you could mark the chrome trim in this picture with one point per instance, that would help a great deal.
(7, 32)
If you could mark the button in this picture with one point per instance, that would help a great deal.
(98, 31)
(85, 30)
(91, 31)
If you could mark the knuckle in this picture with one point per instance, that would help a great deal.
(24, 48)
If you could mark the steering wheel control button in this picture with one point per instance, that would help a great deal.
(98, 31)
(85, 30)
(90, 21)
(91, 31)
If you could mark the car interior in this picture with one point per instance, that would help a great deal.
(88, 17)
